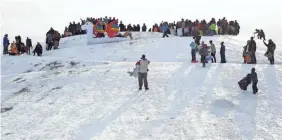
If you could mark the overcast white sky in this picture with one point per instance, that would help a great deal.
(33, 18)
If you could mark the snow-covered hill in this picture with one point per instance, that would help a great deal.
(83, 92)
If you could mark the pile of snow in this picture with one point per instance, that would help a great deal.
(83, 92)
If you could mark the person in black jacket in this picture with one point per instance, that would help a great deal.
(144, 28)
(252, 50)
(270, 51)
(254, 80)
(121, 27)
(38, 49)
(222, 53)
(28, 45)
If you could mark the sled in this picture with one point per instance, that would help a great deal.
(247, 58)
(243, 84)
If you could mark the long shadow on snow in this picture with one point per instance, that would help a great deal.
(95, 128)
(183, 95)
(246, 109)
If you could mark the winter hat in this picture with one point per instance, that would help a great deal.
(143, 56)
(253, 69)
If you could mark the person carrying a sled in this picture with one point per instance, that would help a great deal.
(203, 52)
(142, 68)
(270, 51)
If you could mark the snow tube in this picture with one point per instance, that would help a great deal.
(109, 38)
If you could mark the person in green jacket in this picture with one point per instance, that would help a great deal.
(212, 29)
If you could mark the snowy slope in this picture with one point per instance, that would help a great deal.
(83, 92)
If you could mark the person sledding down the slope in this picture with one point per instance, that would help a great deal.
(203, 52)
(98, 30)
(113, 30)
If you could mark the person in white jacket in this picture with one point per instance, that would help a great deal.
(213, 51)
(142, 68)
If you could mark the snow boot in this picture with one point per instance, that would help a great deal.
(146, 88)
(140, 88)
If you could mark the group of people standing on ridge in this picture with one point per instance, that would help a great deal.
(18, 47)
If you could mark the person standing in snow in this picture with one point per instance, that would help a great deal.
(252, 50)
(194, 48)
(6, 44)
(165, 30)
(270, 51)
(222, 53)
(38, 49)
(203, 52)
(246, 55)
(254, 80)
(28, 45)
(142, 67)
(213, 52)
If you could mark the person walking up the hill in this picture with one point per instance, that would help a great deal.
(213, 52)
(142, 67)
(222, 53)
(252, 50)
(165, 30)
(254, 80)
(262, 35)
(203, 52)
(270, 51)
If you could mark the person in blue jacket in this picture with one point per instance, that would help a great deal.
(193, 46)
(6, 44)
(165, 30)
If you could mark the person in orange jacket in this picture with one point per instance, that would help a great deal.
(14, 49)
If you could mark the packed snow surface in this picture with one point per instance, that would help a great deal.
(81, 92)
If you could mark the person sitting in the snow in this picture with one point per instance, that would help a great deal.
(254, 80)
(38, 49)
(203, 52)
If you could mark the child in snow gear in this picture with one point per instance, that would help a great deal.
(203, 52)
(142, 67)
(270, 51)
(213, 52)
(14, 49)
(254, 78)
(6, 44)
(222, 53)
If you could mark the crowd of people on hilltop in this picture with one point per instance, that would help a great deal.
(18, 47)
(202, 28)
(180, 28)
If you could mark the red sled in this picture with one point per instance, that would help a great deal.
(195, 61)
